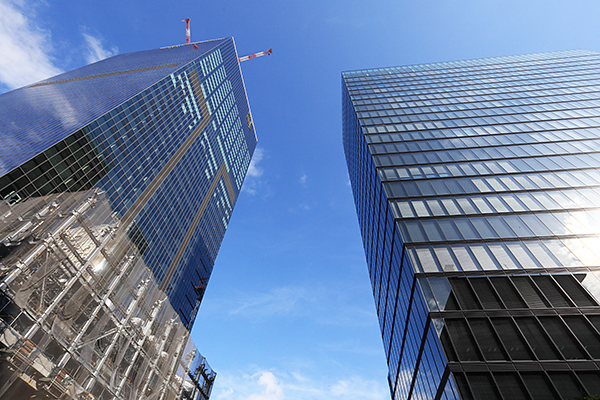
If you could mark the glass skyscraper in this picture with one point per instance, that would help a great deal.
(117, 183)
(477, 189)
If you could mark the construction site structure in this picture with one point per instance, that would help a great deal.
(81, 315)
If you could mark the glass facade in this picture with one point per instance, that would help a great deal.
(117, 181)
(477, 187)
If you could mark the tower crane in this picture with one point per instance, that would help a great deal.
(188, 40)
(259, 54)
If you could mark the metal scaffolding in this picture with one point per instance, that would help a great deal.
(81, 315)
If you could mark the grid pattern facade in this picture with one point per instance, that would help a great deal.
(169, 139)
(118, 181)
(477, 186)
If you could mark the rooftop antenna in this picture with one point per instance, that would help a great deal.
(188, 34)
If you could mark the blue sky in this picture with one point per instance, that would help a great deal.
(288, 313)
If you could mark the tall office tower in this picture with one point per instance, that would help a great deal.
(117, 181)
(477, 188)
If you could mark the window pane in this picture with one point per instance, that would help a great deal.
(562, 253)
(511, 338)
(420, 208)
(511, 386)
(451, 207)
(483, 228)
(533, 297)
(535, 225)
(466, 229)
(530, 202)
(464, 294)
(449, 230)
(501, 227)
(432, 231)
(503, 256)
(575, 290)
(566, 343)
(445, 258)
(486, 293)
(513, 203)
(483, 257)
(539, 386)
(591, 380)
(426, 259)
(466, 206)
(542, 254)
(537, 339)
(482, 205)
(483, 386)
(586, 335)
(415, 231)
(519, 251)
(463, 341)
(435, 207)
(508, 293)
(498, 204)
(466, 262)
(553, 293)
(517, 225)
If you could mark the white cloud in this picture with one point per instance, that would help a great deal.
(95, 49)
(273, 385)
(25, 48)
(253, 169)
(253, 183)
(303, 178)
(262, 385)
(272, 388)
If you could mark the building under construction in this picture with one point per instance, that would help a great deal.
(117, 182)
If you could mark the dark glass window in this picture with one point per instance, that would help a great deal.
(483, 386)
(486, 293)
(539, 386)
(464, 294)
(537, 339)
(591, 381)
(511, 338)
(511, 387)
(566, 384)
(574, 290)
(463, 387)
(488, 341)
(529, 292)
(464, 343)
(566, 343)
(508, 293)
(553, 293)
(585, 333)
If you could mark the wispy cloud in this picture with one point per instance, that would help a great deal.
(326, 305)
(254, 170)
(25, 48)
(278, 301)
(253, 182)
(303, 179)
(274, 385)
(95, 50)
